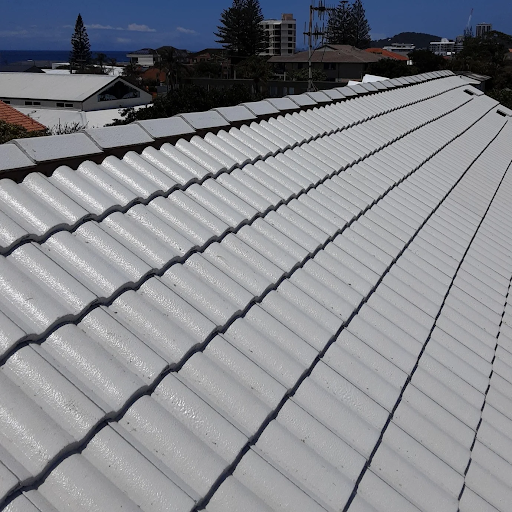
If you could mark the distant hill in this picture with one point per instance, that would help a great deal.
(419, 39)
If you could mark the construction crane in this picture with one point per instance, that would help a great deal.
(468, 31)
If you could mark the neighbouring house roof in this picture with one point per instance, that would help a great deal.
(143, 51)
(154, 74)
(20, 68)
(330, 53)
(12, 116)
(387, 53)
(301, 304)
(213, 51)
(70, 87)
(475, 76)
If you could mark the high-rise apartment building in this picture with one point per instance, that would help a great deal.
(282, 35)
(482, 29)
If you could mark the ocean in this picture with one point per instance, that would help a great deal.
(43, 56)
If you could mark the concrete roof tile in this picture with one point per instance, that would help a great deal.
(43, 149)
(167, 127)
(119, 136)
(340, 272)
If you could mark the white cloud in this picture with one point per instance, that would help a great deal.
(133, 27)
(186, 31)
(14, 33)
(122, 40)
(97, 26)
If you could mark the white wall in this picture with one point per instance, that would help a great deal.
(16, 102)
(93, 103)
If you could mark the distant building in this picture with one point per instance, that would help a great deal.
(338, 62)
(459, 44)
(443, 47)
(146, 57)
(482, 29)
(401, 48)
(282, 35)
(76, 92)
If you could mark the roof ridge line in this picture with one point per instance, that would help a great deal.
(144, 201)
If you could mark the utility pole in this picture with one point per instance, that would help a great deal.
(314, 33)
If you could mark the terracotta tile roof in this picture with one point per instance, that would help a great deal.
(11, 115)
(386, 53)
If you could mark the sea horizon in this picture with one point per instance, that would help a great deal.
(16, 56)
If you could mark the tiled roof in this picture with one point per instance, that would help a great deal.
(333, 53)
(307, 312)
(387, 53)
(12, 116)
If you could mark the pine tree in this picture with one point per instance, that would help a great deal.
(339, 27)
(240, 31)
(361, 28)
(80, 54)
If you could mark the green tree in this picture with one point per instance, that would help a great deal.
(240, 31)
(80, 54)
(390, 68)
(302, 75)
(171, 62)
(425, 61)
(257, 69)
(484, 55)
(339, 26)
(348, 25)
(207, 69)
(360, 27)
(504, 96)
(100, 60)
(131, 72)
(9, 131)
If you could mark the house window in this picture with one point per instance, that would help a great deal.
(37, 103)
(28, 103)
(60, 104)
(8, 102)
(118, 91)
(69, 104)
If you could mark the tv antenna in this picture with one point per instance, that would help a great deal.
(315, 32)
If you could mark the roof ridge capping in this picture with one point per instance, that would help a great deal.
(20, 157)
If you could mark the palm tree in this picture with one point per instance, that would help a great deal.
(131, 72)
(112, 61)
(100, 59)
(172, 63)
(256, 68)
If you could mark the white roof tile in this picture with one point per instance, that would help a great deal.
(264, 316)
(39, 149)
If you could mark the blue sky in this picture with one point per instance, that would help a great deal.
(132, 24)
